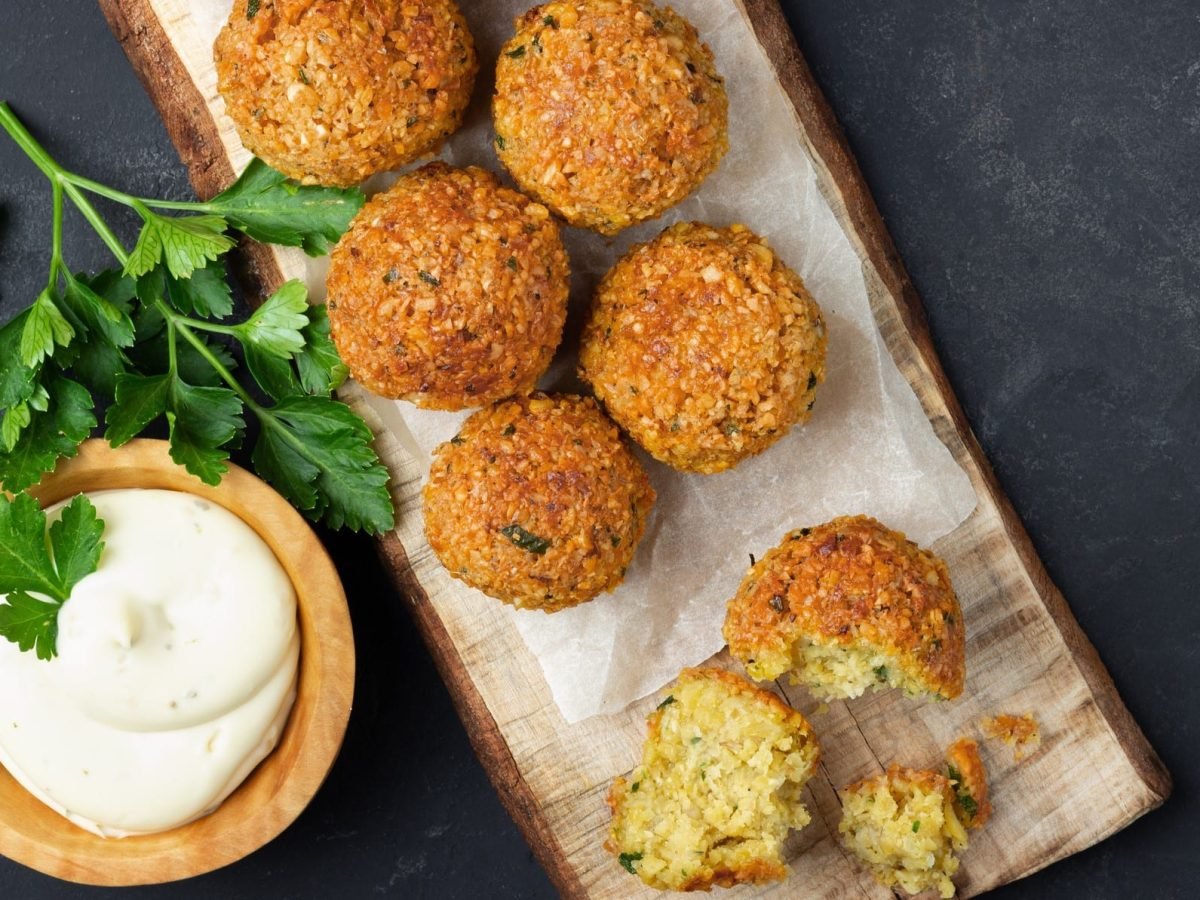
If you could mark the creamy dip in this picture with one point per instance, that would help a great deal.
(175, 674)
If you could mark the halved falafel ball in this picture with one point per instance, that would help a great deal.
(849, 606)
(449, 290)
(704, 346)
(333, 92)
(537, 502)
(718, 789)
(608, 111)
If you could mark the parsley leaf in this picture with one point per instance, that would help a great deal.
(275, 327)
(321, 368)
(274, 374)
(96, 314)
(30, 623)
(140, 399)
(44, 328)
(627, 861)
(16, 378)
(51, 434)
(317, 452)
(203, 424)
(526, 540)
(206, 294)
(317, 367)
(27, 567)
(268, 207)
(184, 244)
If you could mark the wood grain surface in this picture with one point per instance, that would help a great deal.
(279, 789)
(1094, 773)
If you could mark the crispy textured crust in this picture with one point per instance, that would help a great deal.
(608, 111)
(851, 582)
(969, 780)
(531, 470)
(704, 346)
(333, 91)
(449, 290)
(899, 778)
(699, 697)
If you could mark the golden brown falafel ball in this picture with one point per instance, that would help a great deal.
(704, 346)
(968, 778)
(718, 789)
(333, 91)
(537, 502)
(608, 111)
(449, 290)
(847, 606)
(902, 825)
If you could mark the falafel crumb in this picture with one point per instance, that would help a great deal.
(968, 779)
(1019, 732)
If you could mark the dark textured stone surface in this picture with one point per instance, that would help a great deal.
(1036, 164)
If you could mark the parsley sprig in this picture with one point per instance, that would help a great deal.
(146, 338)
(39, 574)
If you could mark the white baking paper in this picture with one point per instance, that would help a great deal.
(869, 447)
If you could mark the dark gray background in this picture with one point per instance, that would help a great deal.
(1036, 162)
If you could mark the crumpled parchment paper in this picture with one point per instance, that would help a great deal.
(868, 448)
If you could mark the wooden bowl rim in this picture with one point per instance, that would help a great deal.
(312, 736)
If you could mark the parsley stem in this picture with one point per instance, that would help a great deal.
(211, 327)
(101, 190)
(84, 205)
(26, 141)
(56, 234)
(183, 326)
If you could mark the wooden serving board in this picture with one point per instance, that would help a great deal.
(1094, 773)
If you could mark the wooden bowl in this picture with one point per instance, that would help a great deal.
(283, 784)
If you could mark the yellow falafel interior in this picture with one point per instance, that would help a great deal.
(903, 826)
(718, 788)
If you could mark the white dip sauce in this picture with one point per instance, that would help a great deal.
(175, 673)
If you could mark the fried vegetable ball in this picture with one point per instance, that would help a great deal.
(537, 502)
(704, 346)
(332, 92)
(902, 825)
(449, 290)
(718, 789)
(850, 606)
(608, 111)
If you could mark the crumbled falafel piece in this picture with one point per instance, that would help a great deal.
(968, 778)
(608, 111)
(849, 606)
(1019, 732)
(331, 93)
(718, 788)
(704, 346)
(902, 826)
(449, 290)
(537, 502)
